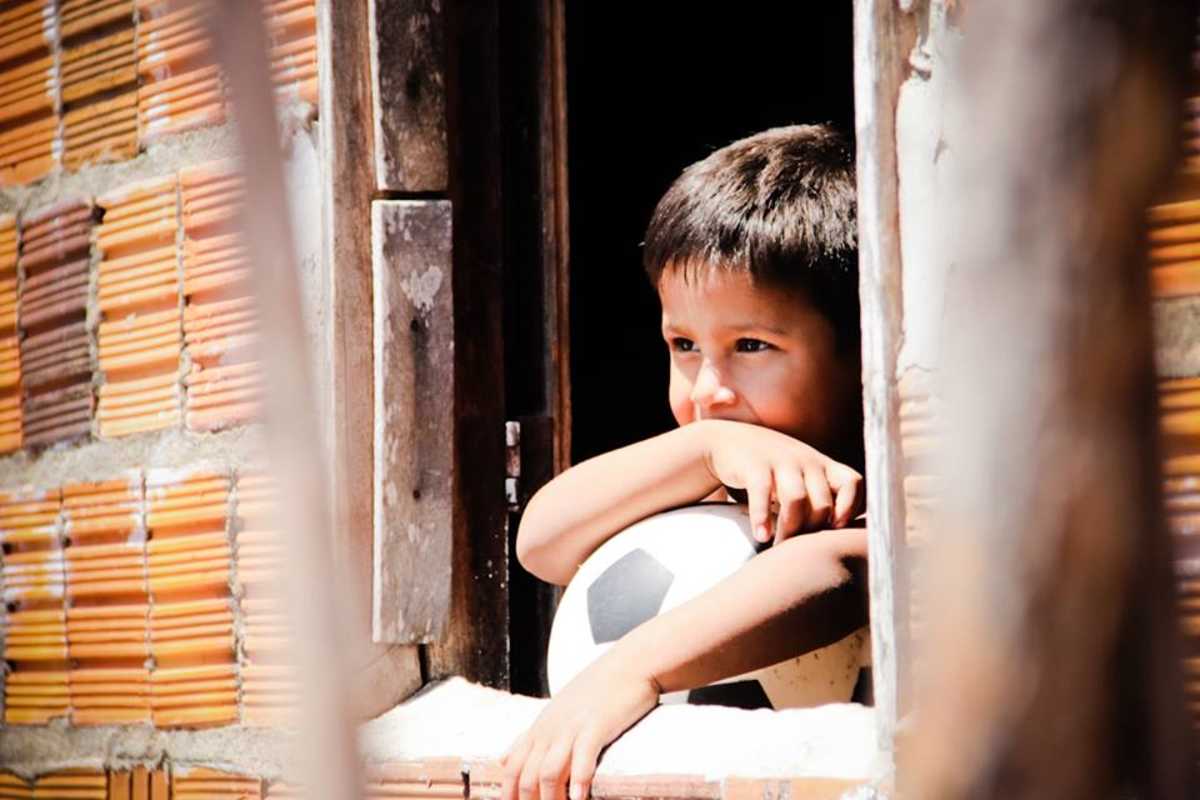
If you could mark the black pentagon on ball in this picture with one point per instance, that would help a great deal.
(739, 694)
(626, 594)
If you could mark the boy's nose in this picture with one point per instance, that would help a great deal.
(709, 390)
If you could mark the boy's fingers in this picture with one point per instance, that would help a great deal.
(849, 499)
(552, 779)
(527, 785)
(758, 497)
(820, 500)
(583, 764)
(512, 762)
(793, 504)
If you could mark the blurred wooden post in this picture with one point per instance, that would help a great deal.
(1052, 660)
(883, 37)
(327, 750)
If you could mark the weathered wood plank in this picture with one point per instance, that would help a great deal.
(347, 147)
(408, 79)
(386, 681)
(556, 252)
(414, 418)
(882, 39)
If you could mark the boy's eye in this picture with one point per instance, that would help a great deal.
(751, 345)
(682, 345)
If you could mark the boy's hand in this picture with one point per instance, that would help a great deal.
(565, 741)
(784, 478)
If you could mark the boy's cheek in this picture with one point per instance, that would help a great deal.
(683, 411)
(682, 407)
(684, 414)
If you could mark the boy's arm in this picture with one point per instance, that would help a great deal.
(579, 509)
(576, 512)
(799, 595)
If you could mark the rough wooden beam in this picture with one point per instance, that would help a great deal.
(347, 148)
(414, 419)
(552, 138)
(882, 40)
(1052, 661)
(409, 97)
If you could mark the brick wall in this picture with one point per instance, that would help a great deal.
(139, 557)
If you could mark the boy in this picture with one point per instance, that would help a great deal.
(752, 251)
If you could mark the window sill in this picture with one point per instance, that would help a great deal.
(455, 731)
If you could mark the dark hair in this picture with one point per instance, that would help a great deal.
(778, 205)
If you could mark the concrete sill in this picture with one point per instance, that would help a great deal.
(449, 737)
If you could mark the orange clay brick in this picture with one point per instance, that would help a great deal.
(73, 784)
(13, 787)
(25, 27)
(220, 323)
(269, 689)
(1175, 280)
(436, 778)
(35, 632)
(209, 784)
(99, 76)
(80, 16)
(55, 353)
(1179, 420)
(141, 335)
(1179, 404)
(182, 87)
(29, 92)
(1174, 237)
(292, 25)
(191, 614)
(1174, 213)
(9, 246)
(10, 351)
(269, 695)
(108, 618)
(120, 786)
(138, 784)
(98, 65)
(101, 131)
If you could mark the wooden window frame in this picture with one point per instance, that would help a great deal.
(476, 644)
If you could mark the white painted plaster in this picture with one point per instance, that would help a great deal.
(926, 148)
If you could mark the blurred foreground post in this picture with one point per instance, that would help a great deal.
(1051, 668)
(327, 744)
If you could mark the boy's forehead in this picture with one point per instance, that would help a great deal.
(718, 291)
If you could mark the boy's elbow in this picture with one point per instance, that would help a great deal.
(534, 555)
(527, 553)
(541, 565)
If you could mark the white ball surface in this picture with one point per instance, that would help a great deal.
(663, 561)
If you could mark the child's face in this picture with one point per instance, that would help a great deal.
(752, 353)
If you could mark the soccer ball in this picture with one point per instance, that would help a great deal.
(661, 562)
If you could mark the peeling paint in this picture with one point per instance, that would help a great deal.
(421, 288)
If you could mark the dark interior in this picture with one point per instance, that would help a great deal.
(650, 90)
